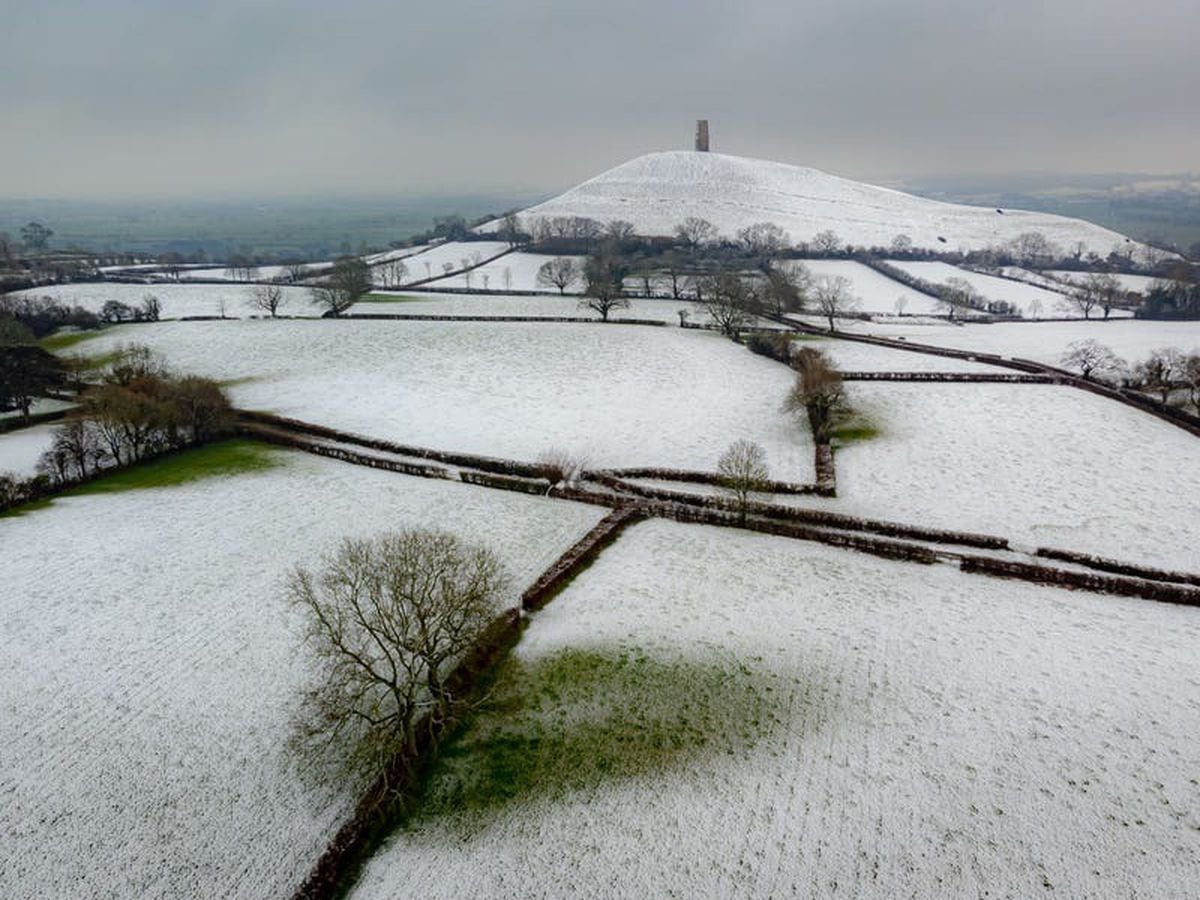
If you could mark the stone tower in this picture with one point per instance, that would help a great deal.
(702, 135)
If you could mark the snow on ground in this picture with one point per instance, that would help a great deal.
(21, 449)
(522, 269)
(657, 191)
(39, 406)
(1043, 465)
(460, 254)
(769, 718)
(147, 675)
(622, 395)
(875, 293)
(1132, 339)
(177, 300)
(259, 273)
(1026, 297)
(402, 253)
(852, 356)
(432, 304)
(1139, 283)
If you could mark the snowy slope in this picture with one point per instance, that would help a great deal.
(832, 725)
(875, 293)
(659, 190)
(521, 277)
(178, 300)
(431, 262)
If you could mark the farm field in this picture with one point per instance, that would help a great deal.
(853, 356)
(1033, 302)
(429, 263)
(711, 713)
(417, 303)
(147, 679)
(178, 300)
(1132, 339)
(20, 449)
(1043, 465)
(875, 293)
(1139, 283)
(522, 274)
(620, 395)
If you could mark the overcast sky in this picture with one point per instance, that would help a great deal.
(161, 97)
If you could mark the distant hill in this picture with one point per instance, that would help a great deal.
(657, 191)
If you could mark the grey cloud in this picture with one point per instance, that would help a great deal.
(126, 97)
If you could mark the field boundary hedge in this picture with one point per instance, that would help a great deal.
(969, 377)
(553, 320)
(1102, 584)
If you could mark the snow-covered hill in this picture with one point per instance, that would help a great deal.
(659, 190)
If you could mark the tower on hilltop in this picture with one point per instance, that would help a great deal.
(702, 135)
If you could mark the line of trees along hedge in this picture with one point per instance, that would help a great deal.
(139, 410)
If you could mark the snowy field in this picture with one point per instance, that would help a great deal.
(402, 253)
(621, 395)
(147, 677)
(418, 303)
(1139, 283)
(1026, 297)
(1040, 464)
(259, 273)
(430, 263)
(768, 718)
(875, 293)
(21, 449)
(1132, 339)
(178, 300)
(852, 356)
(658, 191)
(522, 269)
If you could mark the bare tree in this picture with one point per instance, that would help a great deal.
(831, 297)
(604, 274)
(619, 230)
(560, 272)
(742, 472)
(297, 272)
(1161, 372)
(1191, 379)
(507, 274)
(394, 272)
(762, 240)
(826, 242)
(1034, 249)
(956, 296)
(151, 308)
(900, 305)
(786, 288)
(1106, 289)
(447, 267)
(510, 229)
(268, 298)
(730, 301)
(340, 289)
(901, 244)
(696, 232)
(818, 393)
(561, 465)
(1091, 357)
(387, 620)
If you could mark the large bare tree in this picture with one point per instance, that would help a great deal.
(560, 272)
(696, 232)
(731, 301)
(818, 393)
(1091, 357)
(604, 276)
(267, 298)
(341, 287)
(830, 296)
(387, 620)
(742, 472)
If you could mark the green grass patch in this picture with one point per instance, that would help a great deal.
(570, 722)
(63, 340)
(222, 459)
(856, 429)
(232, 457)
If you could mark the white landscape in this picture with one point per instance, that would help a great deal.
(816, 539)
(869, 727)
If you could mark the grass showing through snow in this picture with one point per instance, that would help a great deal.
(232, 457)
(579, 718)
